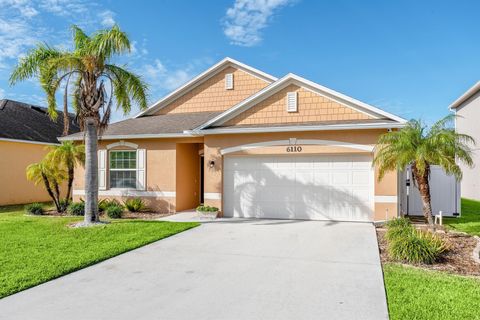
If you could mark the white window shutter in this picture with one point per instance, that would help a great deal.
(141, 161)
(229, 81)
(102, 169)
(292, 102)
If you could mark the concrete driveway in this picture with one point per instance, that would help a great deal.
(236, 269)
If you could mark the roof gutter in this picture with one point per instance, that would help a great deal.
(298, 128)
(134, 136)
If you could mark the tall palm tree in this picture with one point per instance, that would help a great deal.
(69, 155)
(97, 84)
(420, 147)
(45, 172)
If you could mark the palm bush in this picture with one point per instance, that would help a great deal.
(76, 209)
(203, 208)
(34, 208)
(135, 204)
(420, 147)
(398, 228)
(51, 176)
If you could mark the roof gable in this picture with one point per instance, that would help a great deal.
(202, 78)
(368, 111)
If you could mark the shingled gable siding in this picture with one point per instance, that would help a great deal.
(212, 95)
(312, 107)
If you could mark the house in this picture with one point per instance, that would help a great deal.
(252, 145)
(25, 133)
(467, 109)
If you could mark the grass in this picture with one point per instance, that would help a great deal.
(36, 249)
(419, 294)
(469, 222)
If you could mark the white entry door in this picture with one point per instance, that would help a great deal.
(316, 187)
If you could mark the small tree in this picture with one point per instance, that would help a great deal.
(51, 176)
(67, 155)
(419, 147)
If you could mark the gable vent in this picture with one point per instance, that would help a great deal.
(229, 81)
(292, 102)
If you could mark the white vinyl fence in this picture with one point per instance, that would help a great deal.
(444, 190)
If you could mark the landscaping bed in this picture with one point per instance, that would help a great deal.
(458, 259)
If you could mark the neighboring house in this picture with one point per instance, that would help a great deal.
(467, 109)
(25, 133)
(254, 146)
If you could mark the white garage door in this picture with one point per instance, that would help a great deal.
(317, 187)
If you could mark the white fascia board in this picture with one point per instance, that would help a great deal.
(30, 142)
(307, 84)
(203, 77)
(137, 136)
(464, 97)
(303, 128)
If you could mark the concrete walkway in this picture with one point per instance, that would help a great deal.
(230, 269)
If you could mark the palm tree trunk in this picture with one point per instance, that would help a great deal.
(71, 173)
(424, 189)
(50, 192)
(91, 171)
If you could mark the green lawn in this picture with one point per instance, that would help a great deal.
(469, 222)
(37, 249)
(418, 294)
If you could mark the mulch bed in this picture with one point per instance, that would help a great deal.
(457, 260)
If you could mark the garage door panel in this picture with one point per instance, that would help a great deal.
(299, 187)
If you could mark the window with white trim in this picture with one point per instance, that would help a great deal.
(229, 81)
(123, 169)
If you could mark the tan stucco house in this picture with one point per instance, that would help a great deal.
(467, 109)
(26, 132)
(254, 146)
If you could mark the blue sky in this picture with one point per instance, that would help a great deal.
(412, 58)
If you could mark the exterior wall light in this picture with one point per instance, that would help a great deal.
(211, 163)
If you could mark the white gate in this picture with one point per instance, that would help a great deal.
(444, 190)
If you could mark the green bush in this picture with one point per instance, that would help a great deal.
(407, 244)
(135, 204)
(114, 211)
(398, 227)
(105, 203)
(34, 208)
(76, 209)
(203, 208)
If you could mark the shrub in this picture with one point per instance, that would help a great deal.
(135, 204)
(203, 208)
(105, 203)
(76, 208)
(34, 208)
(398, 228)
(416, 246)
(114, 211)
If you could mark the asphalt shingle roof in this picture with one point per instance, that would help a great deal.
(22, 121)
(160, 124)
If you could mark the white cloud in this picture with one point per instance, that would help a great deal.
(2, 93)
(65, 7)
(245, 20)
(107, 18)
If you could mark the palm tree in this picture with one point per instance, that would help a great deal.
(96, 82)
(420, 147)
(51, 176)
(69, 155)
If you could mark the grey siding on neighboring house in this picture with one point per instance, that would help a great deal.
(468, 122)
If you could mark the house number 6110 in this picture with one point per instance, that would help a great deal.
(294, 149)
